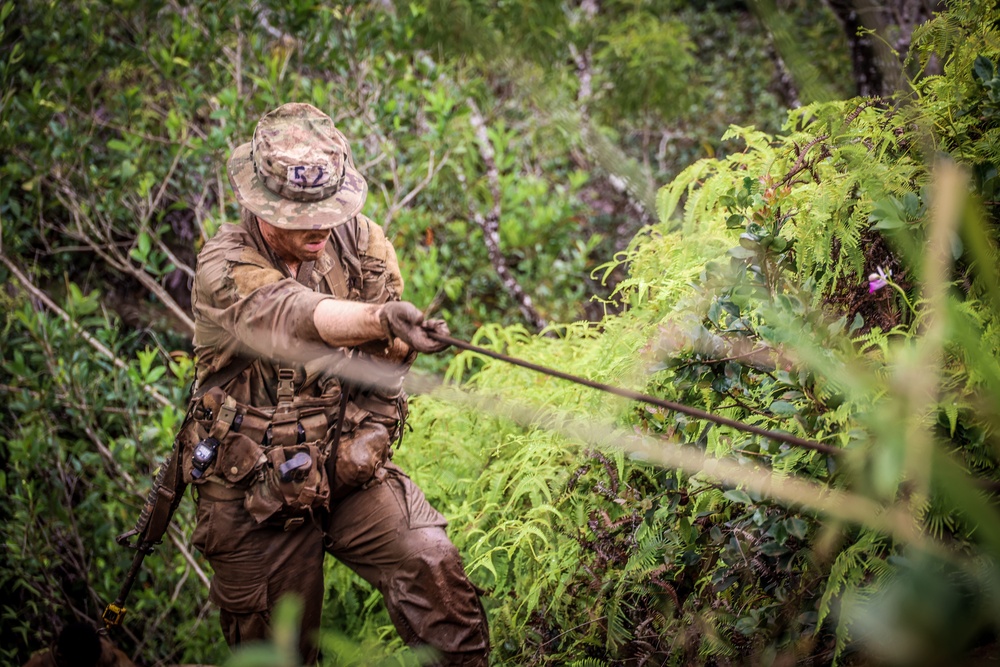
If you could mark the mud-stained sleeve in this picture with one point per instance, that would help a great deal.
(394, 277)
(243, 295)
(380, 248)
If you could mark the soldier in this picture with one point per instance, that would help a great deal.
(302, 344)
(80, 645)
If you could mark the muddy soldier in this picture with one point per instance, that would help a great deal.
(302, 344)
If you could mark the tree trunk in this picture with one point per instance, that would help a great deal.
(877, 59)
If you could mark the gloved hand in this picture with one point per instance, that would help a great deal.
(403, 320)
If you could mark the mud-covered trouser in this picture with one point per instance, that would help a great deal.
(391, 536)
(388, 533)
(255, 565)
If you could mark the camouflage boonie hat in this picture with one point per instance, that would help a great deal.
(297, 172)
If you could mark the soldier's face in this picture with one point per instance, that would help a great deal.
(294, 246)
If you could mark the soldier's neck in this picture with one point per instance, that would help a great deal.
(293, 268)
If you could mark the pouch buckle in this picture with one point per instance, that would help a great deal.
(286, 385)
(293, 523)
(227, 414)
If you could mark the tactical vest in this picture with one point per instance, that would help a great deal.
(285, 460)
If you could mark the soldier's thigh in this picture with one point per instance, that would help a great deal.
(390, 535)
(255, 565)
(381, 526)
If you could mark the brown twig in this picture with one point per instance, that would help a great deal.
(432, 171)
(175, 538)
(109, 458)
(800, 162)
(89, 233)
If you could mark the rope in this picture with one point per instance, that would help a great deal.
(645, 398)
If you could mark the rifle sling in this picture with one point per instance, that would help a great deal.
(339, 428)
(164, 506)
(222, 377)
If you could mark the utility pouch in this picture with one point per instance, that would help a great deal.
(238, 457)
(389, 411)
(219, 441)
(291, 482)
(361, 456)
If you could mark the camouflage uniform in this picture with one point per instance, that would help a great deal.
(247, 305)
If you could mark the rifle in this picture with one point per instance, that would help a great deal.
(154, 519)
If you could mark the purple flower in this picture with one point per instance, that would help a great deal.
(877, 281)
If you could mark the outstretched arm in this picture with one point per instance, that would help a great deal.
(347, 323)
(344, 323)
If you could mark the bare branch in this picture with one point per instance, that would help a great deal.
(175, 537)
(148, 213)
(182, 266)
(114, 256)
(109, 458)
(371, 163)
(145, 216)
(263, 18)
(490, 224)
(238, 74)
(800, 162)
(584, 75)
(432, 171)
(101, 240)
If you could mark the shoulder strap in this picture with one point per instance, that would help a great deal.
(362, 233)
(343, 252)
(335, 278)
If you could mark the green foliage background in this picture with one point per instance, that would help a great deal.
(604, 532)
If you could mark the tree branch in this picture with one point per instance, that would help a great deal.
(118, 260)
(432, 171)
(490, 224)
(800, 162)
(175, 537)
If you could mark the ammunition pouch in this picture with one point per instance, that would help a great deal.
(291, 482)
(275, 456)
(286, 459)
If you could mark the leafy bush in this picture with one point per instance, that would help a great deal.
(805, 288)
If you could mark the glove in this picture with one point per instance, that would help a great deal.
(403, 320)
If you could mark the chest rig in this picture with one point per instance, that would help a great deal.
(297, 420)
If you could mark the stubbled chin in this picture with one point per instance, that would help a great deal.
(307, 255)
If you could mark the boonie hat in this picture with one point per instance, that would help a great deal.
(296, 172)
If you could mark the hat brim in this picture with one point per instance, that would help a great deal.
(286, 213)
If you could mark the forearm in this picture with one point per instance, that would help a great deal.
(344, 323)
(349, 324)
(395, 351)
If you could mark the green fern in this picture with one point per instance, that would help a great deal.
(851, 567)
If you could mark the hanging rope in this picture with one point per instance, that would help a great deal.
(645, 398)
